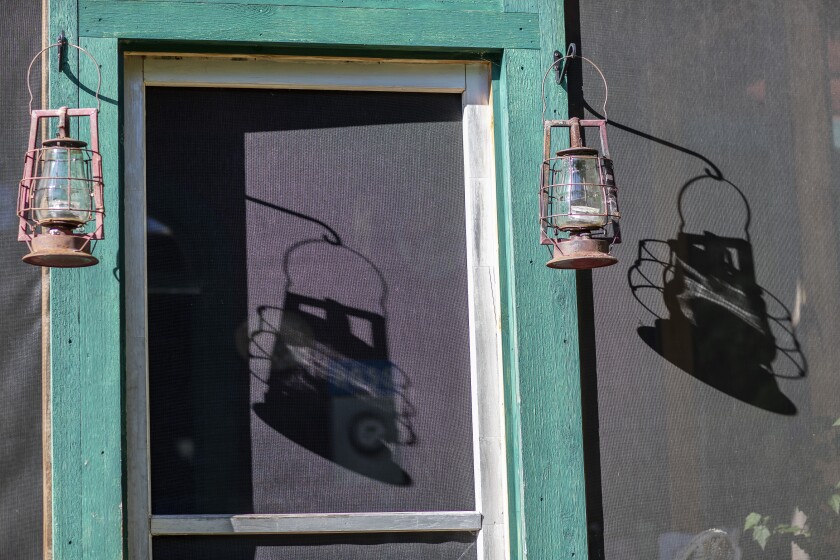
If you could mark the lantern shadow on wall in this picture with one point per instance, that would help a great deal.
(722, 327)
(331, 386)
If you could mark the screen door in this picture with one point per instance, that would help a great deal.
(309, 293)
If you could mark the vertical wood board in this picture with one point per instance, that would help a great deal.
(86, 347)
(546, 355)
(513, 424)
(65, 330)
(100, 316)
(542, 345)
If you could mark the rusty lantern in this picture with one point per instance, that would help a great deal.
(61, 190)
(578, 196)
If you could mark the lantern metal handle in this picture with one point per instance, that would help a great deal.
(571, 52)
(63, 43)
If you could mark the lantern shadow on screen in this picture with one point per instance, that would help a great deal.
(722, 327)
(331, 385)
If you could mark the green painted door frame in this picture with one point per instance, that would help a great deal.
(540, 335)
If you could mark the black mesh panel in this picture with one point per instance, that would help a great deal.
(714, 338)
(324, 547)
(307, 302)
(20, 299)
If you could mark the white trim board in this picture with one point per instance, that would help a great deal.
(301, 74)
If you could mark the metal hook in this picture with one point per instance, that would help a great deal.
(571, 51)
(62, 52)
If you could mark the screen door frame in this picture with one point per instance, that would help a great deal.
(472, 81)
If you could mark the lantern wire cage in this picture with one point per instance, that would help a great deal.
(61, 189)
(578, 196)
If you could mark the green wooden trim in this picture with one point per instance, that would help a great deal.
(542, 389)
(356, 51)
(63, 16)
(543, 344)
(308, 25)
(449, 5)
(546, 477)
(513, 421)
(65, 330)
(86, 344)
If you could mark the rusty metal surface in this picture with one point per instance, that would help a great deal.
(580, 253)
(60, 251)
(555, 187)
(30, 228)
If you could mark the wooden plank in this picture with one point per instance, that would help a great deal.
(100, 343)
(546, 352)
(85, 345)
(507, 281)
(540, 308)
(485, 325)
(225, 52)
(316, 523)
(309, 25)
(65, 386)
(138, 491)
(302, 74)
(450, 5)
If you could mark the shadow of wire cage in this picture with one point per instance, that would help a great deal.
(713, 320)
(331, 386)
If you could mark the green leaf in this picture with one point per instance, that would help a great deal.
(837, 485)
(835, 503)
(792, 529)
(760, 535)
(752, 520)
(836, 422)
(782, 529)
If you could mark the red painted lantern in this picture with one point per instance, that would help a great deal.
(60, 201)
(578, 195)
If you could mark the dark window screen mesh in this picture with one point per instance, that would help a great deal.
(20, 300)
(308, 329)
(716, 335)
(324, 547)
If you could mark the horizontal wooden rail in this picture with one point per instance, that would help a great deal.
(282, 73)
(255, 524)
(302, 25)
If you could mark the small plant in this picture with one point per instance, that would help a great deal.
(762, 528)
(834, 501)
(761, 531)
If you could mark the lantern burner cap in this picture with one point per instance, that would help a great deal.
(578, 152)
(581, 253)
(63, 142)
(60, 251)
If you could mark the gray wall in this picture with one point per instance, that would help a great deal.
(20, 301)
(711, 363)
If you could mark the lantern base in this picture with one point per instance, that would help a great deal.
(581, 253)
(60, 251)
